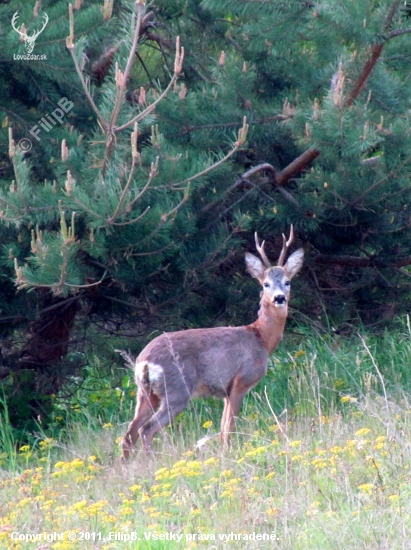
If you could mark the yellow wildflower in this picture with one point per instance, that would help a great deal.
(348, 399)
(178, 464)
(366, 487)
(79, 505)
(46, 443)
(362, 432)
(194, 464)
(109, 519)
(296, 458)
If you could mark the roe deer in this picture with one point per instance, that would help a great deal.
(223, 362)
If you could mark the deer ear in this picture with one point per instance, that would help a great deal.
(294, 262)
(255, 267)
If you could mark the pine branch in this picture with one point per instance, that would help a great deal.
(390, 175)
(88, 285)
(376, 51)
(264, 167)
(210, 168)
(101, 66)
(178, 63)
(281, 178)
(86, 209)
(296, 166)
(391, 14)
(365, 73)
(150, 253)
(360, 261)
(179, 205)
(195, 127)
(148, 109)
(131, 222)
(398, 32)
(301, 162)
(122, 79)
(100, 117)
(125, 190)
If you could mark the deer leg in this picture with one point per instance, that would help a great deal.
(232, 408)
(164, 416)
(145, 408)
(224, 416)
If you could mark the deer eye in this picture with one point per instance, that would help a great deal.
(267, 285)
(287, 283)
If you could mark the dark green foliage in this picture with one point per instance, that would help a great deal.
(157, 243)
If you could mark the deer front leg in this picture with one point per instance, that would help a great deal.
(232, 406)
(225, 438)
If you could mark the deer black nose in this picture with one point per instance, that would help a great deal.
(279, 299)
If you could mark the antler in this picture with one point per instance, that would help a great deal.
(13, 23)
(35, 34)
(260, 250)
(286, 244)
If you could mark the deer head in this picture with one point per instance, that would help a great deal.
(275, 280)
(28, 40)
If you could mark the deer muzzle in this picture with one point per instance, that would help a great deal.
(280, 300)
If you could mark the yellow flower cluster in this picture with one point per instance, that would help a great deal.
(182, 468)
(192, 495)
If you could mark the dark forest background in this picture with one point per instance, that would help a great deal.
(183, 128)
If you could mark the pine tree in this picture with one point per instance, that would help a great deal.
(325, 89)
(111, 226)
(150, 223)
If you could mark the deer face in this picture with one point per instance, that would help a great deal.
(275, 280)
(276, 286)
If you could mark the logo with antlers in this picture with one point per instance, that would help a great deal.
(28, 40)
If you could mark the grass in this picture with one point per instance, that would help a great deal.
(321, 460)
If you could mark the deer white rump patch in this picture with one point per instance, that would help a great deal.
(154, 371)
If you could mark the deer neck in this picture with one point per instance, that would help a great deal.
(270, 324)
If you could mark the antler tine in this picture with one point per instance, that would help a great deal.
(13, 23)
(260, 250)
(286, 245)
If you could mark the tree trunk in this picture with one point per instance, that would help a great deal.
(39, 373)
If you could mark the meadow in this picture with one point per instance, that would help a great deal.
(320, 460)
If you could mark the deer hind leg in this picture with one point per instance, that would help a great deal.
(145, 409)
(167, 411)
(232, 406)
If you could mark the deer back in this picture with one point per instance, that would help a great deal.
(202, 361)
